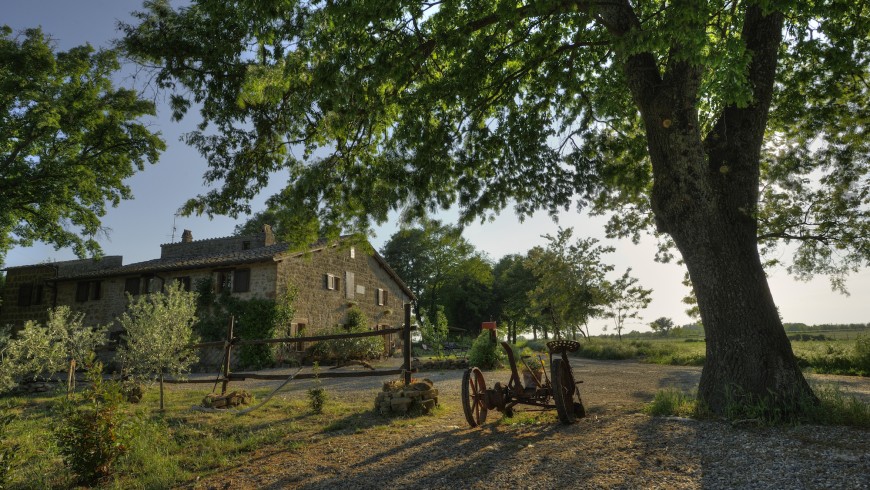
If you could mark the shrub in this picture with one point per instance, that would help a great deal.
(316, 394)
(360, 348)
(862, 355)
(42, 350)
(484, 353)
(673, 402)
(94, 430)
(434, 333)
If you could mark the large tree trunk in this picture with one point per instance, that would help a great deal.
(704, 196)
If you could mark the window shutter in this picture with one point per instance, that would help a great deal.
(349, 285)
(82, 291)
(96, 290)
(25, 293)
(242, 281)
(386, 297)
(131, 285)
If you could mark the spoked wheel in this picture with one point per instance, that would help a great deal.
(474, 397)
(565, 393)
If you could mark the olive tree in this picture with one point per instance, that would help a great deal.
(158, 334)
(62, 344)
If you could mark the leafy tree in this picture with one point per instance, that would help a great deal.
(59, 345)
(434, 332)
(662, 325)
(570, 281)
(467, 294)
(512, 283)
(426, 258)
(68, 139)
(158, 333)
(719, 123)
(625, 299)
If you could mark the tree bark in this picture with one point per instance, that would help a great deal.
(704, 196)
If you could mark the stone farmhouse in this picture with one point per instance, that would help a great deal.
(330, 279)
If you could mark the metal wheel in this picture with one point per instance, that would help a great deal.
(565, 393)
(474, 397)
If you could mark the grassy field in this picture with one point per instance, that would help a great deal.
(838, 354)
(174, 446)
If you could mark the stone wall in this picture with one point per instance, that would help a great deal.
(113, 300)
(40, 280)
(360, 277)
(211, 246)
(35, 277)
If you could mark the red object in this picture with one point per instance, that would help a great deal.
(487, 325)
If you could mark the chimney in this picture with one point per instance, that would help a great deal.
(268, 236)
(186, 237)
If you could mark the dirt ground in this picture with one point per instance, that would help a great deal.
(615, 446)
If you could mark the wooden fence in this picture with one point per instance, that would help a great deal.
(225, 376)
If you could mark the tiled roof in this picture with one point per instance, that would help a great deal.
(261, 254)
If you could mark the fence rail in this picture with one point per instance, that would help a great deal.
(225, 376)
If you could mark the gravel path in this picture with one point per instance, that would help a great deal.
(615, 446)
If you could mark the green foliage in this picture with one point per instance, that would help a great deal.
(359, 348)
(673, 402)
(570, 281)
(428, 258)
(94, 431)
(434, 333)
(486, 354)
(843, 357)
(357, 321)
(512, 283)
(625, 299)
(662, 325)
(41, 350)
(316, 394)
(158, 330)
(68, 140)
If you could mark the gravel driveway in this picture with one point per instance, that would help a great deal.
(615, 446)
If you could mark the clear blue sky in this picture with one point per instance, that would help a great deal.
(138, 227)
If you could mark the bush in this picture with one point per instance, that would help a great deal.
(360, 348)
(94, 430)
(862, 355)
(484, 353)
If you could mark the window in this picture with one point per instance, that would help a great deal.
(297, 330)
(381, 297)
(131, 285)
(25, 295)
(224, 281)
(82, 291)
(241, 280)
(37, 298)
(332, 282)
(246, 245)
(352, 252)
(96, 290)
(184, 281)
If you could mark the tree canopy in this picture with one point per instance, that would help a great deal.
(720, 123)
(68, 139)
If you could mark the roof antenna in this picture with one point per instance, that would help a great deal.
(174, 218)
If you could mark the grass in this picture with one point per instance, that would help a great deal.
(178, 445)
(833, 408)
(832, 356)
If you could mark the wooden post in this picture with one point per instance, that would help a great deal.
(228, 352)
(406, 341)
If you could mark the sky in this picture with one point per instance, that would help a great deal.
(138, 227)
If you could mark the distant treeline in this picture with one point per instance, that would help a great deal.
(848, 327)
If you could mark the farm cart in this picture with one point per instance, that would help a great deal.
(558, 390)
